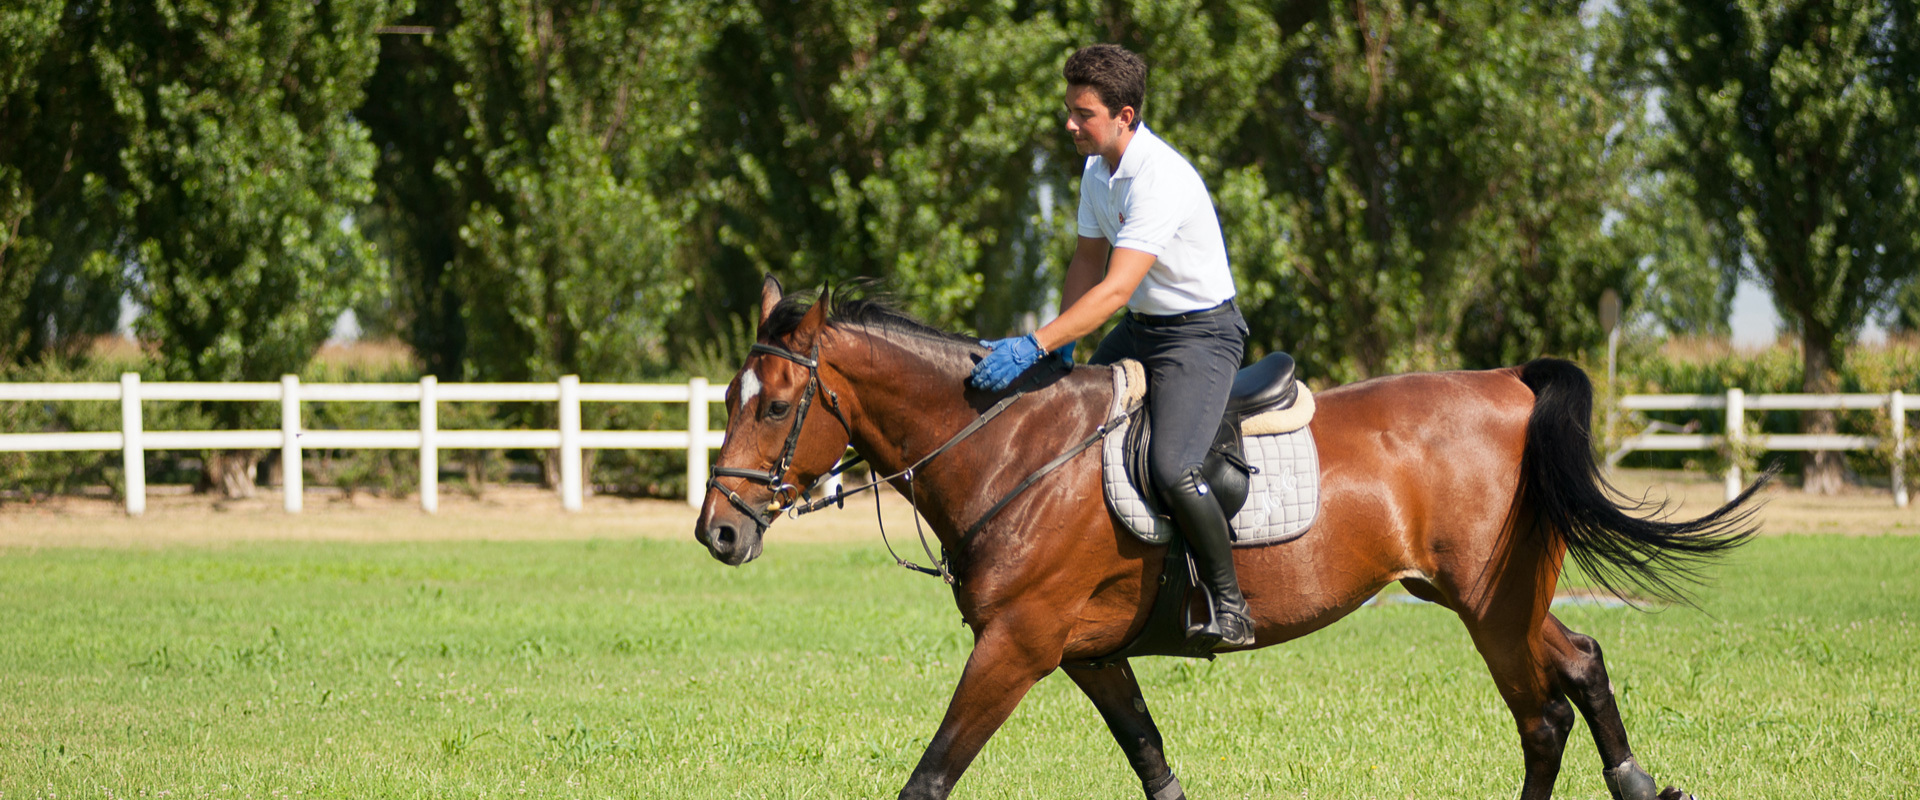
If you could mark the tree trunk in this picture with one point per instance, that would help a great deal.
(230, 472)
(1825, 470)
(475, 464)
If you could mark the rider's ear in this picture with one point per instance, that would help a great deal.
(816, 318)
(770, 294)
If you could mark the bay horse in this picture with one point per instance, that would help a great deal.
(1468, 488)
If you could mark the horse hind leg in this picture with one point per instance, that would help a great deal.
(1583, 675)
(1531, 690)
(1116, 694)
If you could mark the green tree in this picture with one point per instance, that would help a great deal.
(534, 182)
(52, 135)
(239, 172)
(1686, 291)
(1433, 185)
(1802, 126)
(1905, 315)
(578, 113)
(911, 143)
(26, 31)
(420, 198)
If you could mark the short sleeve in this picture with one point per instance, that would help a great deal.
(1089, 223)
(1152, 216)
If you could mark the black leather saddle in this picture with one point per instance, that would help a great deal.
(1268, 385)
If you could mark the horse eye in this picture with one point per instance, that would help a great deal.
(778, 409)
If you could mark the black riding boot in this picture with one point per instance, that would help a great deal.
(1203, 523)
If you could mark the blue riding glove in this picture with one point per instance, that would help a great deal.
(1065, 352)
(1005, 361)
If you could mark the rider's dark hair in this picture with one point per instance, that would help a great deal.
(1114, 72)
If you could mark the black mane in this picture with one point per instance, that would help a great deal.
(865, 312)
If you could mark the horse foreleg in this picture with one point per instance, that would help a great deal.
(1006, 661)
(1116, 694)
(1584, 674)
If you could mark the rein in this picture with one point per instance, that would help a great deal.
(941, 565)
(798, 502)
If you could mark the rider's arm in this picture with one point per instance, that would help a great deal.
(1085, 270)
(1089, 297)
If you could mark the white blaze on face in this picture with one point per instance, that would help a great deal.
(749, 388)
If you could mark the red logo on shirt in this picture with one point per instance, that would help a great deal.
(1123, 219)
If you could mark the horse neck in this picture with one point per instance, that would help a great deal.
(908, 393)
(908, 397)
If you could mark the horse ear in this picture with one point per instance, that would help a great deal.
(816, 318)
(770, 294)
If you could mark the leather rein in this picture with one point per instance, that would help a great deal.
(796, 502)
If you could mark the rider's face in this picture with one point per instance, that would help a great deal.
(1096, 129)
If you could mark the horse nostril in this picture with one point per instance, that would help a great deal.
(724, 536)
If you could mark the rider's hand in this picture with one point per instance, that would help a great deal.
(1065, 352)
(1007, 359)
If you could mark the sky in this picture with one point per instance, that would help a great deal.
(1756, 324)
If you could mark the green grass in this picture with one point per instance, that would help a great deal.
(644, 669)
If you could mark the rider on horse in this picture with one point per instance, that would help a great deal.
(1148, 224)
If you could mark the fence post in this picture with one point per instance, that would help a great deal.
(572, 493)
(696, 440)
(429, 444)
(1736, 437)
(133, 454)
(1897, 411)
(292, 486)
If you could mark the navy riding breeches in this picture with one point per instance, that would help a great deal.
(1190, 368)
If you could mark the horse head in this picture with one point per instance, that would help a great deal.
(775, 445)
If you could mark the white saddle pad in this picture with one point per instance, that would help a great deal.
(1283, 497)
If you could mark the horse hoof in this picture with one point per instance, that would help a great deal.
(1674, 793)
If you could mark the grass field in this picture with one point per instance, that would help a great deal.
(638, 667)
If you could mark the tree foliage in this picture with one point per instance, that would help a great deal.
(1439, 178)
(1801, 124)
(533, 182)
(564, 186)
(239, 174)
(54, 134)
(912, 143)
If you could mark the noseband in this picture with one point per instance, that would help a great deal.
(784, 493)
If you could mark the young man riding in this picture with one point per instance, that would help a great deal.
(1149, 240)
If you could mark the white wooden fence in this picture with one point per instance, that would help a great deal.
(1737, 403)
(133, 440)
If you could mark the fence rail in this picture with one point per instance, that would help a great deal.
(1736, 403)
(133, 440)
(568, 393)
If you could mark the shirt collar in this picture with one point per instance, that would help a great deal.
(1136, 155)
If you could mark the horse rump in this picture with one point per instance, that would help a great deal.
(1628, 546)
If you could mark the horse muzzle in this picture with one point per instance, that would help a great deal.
(732, 539)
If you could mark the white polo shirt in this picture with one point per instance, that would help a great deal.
(1155, 202)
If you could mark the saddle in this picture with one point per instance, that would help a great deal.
(1265, 387)
(1266, 417)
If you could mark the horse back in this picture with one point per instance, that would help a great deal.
(1420, 474)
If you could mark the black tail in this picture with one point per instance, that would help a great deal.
(1618, 541)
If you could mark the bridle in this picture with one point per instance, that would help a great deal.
(794, 500)
(784, 494)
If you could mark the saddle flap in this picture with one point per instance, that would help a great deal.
(1267, 385)
(1225, 469)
